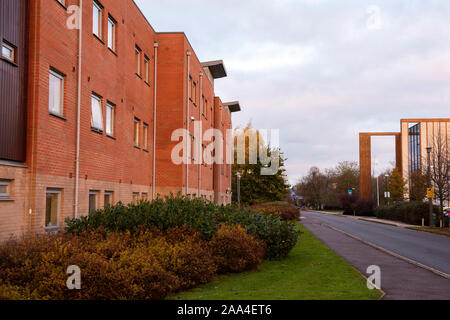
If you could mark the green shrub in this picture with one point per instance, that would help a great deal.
(235, 251)
(205, 217)
(407, 212)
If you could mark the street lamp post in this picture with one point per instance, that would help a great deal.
(430, 201)
(388, 196)
(238, 175)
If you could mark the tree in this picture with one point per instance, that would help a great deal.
(397, 185)
(256, 187)
(418, 186)
(440, 170)
(313, 187)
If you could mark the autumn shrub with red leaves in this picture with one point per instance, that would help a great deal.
(147, 265)
(235, 251)
(285, 212)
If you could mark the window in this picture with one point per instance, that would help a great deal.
(194, 92)
(146, 69)
(93, 201)
(110, 119)
(144, 196)
(97, 116)
(135, 197)
(108, 199)
(112, 33)
(56, 93)
(8, 51)
(52, 208)
(97, 19)
(5, 189)
(138, 61)
(137, 124)
(145, 136)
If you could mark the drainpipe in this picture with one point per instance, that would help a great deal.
(154, 123)
(33, 127)
(221, 165)
(200, 142)
(77, 156)
(188, 96)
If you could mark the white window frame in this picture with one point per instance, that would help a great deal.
(95, 124)
(97, 7)
(137, 133)
(146, 69)
(7, 184)
(112, 29)
(11, 49)
(96, 194)
(58, 192)
(110, 107)
(138, 54)
(145, 136)
(135, 194)
(111, 195)
(51, 98)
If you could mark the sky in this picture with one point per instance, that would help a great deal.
(321, 71)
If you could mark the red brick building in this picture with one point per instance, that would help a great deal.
(80, 109)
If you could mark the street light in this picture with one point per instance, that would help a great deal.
(238, 175)
(430, 201)
(388, 195)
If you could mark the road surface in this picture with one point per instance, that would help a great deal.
(400, 279)
(426, 248)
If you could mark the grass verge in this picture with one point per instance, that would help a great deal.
(441, 231)
(311, 272)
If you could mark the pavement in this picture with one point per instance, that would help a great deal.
(414, 265)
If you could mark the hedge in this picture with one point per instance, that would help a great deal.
(407, 212)
(279, 236)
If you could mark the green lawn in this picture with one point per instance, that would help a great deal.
(444, 231)
(311, 272)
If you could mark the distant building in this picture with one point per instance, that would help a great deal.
(411, 148)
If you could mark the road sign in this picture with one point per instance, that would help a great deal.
(430, 193)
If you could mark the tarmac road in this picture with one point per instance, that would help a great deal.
(400, 279)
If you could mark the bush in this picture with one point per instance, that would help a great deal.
(407, 212)
(285, 212)
(364, 208)
(141, 266)
(348, 203)
(205, 217)
(235, 251)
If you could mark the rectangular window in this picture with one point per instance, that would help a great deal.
(108, 200)
(135, 197)
(194, 92)
(56, 93)
(97, 115)
(145, 136)
(8, 51)
(52, 208)
(93, 201)
(5, 189)
(137, 124)
(144, 196)
(97, 19)
(146, 69)
(138, 61)
(112, 33)
(110, 108)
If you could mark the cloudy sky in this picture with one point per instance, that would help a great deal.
(321, 71)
